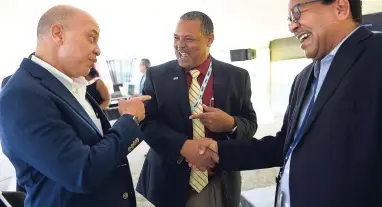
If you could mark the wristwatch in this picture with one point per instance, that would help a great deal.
(136, 120)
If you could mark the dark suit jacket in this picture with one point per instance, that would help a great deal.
(59, 155)
(164, 179)
(338, 161)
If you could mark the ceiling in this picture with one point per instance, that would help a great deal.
(147, 26)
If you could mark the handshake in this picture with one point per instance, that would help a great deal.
(133, 106)
(201, 154)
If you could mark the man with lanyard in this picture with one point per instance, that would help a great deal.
(329, 146)
(194, 84)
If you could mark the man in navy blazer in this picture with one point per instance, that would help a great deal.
(329, 146)
(56, 136)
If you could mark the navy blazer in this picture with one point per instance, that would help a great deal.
(338, 161)
(59, 155)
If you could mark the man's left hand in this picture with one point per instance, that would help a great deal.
(215, 119)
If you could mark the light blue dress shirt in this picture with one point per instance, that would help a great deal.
(320, 73)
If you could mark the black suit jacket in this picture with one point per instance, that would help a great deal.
(338, 161)
(165, 175)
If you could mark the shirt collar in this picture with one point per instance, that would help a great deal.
(203, 68)
(328, 58)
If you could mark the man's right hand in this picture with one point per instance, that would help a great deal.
(208, 144)
(191, 151)
(133, 106)
(207, 147)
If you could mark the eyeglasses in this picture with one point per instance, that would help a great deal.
(295, 12)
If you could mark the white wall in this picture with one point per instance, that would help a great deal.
(145, 27)
(283, 74)
(136, 28)
(259, 71)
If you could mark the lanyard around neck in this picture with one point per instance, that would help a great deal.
(203, 88)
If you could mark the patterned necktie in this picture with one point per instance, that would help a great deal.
(198, 179)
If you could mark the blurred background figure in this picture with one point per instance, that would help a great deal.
(98, 89)
(143, 66)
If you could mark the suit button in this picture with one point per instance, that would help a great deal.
(125, 196)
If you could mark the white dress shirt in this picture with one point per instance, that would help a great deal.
(76, 86)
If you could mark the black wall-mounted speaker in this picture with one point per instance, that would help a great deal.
(242, 54)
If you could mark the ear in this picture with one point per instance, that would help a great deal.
(211, 38)
(342, 8)
(57, 33)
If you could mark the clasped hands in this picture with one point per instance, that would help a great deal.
(201, 154)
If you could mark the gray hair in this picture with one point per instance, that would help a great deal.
(146, 62)
(206, 25)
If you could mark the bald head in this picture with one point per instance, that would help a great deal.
(60, 14)
(68, 40)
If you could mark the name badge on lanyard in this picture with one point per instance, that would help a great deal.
(202, 88)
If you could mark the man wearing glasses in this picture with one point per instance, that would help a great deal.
(329, 147)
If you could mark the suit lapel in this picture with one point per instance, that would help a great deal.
(220, 85)
(56, 87)
(343, 61)
(302, 88)
(178, 83)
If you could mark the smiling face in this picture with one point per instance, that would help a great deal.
(316, 25)
(190, 44)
